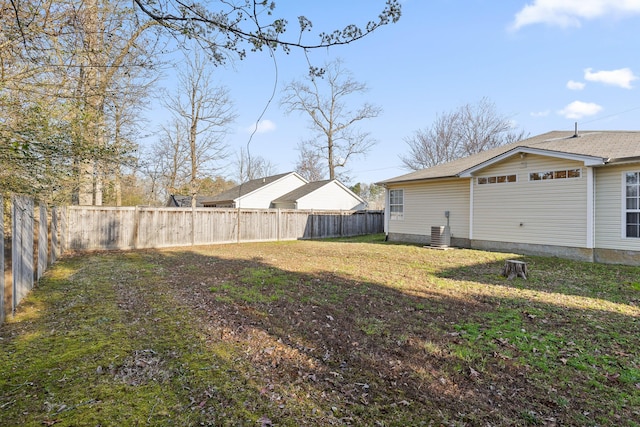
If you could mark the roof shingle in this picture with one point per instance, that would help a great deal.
(608, 145)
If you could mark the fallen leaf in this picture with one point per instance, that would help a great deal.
(474, 373)
(265, 422)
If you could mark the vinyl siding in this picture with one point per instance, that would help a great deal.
(609, 208)
(425, 204)
(548, 212)
(261, 198)
(331, 197)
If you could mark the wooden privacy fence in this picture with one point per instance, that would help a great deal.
(100, 228)
(27, 264)
(81, 228)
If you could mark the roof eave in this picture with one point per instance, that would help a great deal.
(414, 180)
(587, 160)
(620, 160)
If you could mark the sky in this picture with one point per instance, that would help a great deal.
(545, 64)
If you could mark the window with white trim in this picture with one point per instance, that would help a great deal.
(396, 204)
(561, 174)
(632, 209)
(498, 179)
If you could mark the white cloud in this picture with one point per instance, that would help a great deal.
(575, 85)
(540, 113)
(264, 126)
(622, 77)
(579, 109)
(571, 13)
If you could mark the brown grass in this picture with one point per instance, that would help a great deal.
(324, 333)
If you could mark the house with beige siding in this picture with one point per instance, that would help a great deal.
(568, 194)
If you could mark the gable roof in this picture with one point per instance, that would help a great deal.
(309, 188)
(179, 201)
(593, 147)
(248, 187)
(300, 192)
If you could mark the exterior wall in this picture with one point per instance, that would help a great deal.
(331, 196)
(261, 198)
(425, 205)
(547, 212)
(579, 254)
(612, 246)
(424, 239)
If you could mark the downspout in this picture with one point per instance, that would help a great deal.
(470, 211)
(386, 213)
(590, 209)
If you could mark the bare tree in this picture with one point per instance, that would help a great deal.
(469, 129)
(166, 163)
(60, 59)
(123, 115)
(250, 167)
(309, 164)
(204, 112)
(322, 97)
(66, 59)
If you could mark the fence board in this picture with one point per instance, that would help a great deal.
(55, 243)
(43, 241)
(22, 248)
(64, 235)
(2, 295)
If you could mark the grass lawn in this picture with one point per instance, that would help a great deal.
(341, 332)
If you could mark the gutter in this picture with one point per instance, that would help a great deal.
(622, 160)
(411, 181)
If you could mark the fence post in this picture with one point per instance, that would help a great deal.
(238, 224)
(136, 228)
(43, 241)
(16, 243)
(64, 236)
(278, 219)
(54, 236)
(193, 225)
(2, 262)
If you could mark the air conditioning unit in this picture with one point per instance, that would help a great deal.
(440, 236)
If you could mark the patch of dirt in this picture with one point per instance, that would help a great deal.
(348, 344)
(139, 368)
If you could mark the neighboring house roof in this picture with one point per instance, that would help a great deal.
(184, 201)
(592, 147)
(246, 188)
(300, 192)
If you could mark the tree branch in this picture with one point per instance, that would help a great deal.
(195, 21)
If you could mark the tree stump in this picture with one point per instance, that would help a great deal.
(513, 268)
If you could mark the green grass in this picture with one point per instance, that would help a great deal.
(338, 332)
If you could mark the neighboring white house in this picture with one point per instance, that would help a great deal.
(257, 193)
(329, 195)
(286, 191)
(560, 193)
